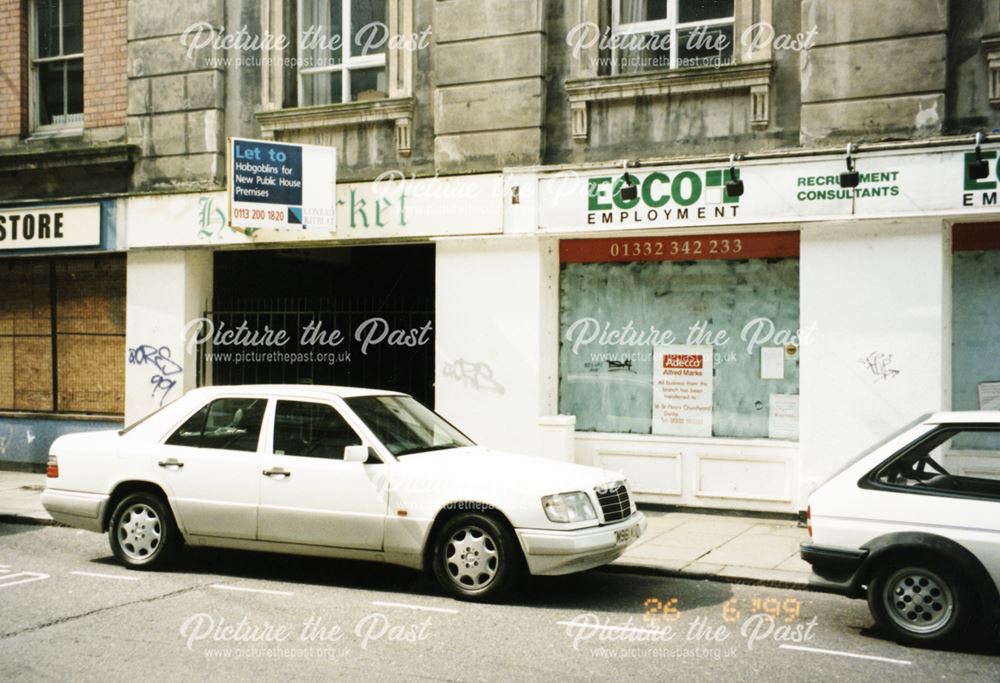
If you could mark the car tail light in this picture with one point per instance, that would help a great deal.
(809, 520)
(52, 471)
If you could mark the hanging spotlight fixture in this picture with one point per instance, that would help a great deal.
(734, 186)
(979, 168)
(629, 191)
(851, 178)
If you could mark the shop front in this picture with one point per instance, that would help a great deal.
(355, 306)
(732, 350)
(62, 326)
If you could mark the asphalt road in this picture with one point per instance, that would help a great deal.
(70, 612)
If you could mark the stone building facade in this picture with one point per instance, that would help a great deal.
(516, 126)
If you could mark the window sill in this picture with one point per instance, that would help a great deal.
(39, 153)
(399, 110)
(756, 77)
(55, 132)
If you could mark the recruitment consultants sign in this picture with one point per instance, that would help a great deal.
(278, 185)
(50, 227)
(797, 189)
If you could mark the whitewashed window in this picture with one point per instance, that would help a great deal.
(56, 49)
(650, 35)
(341, 51)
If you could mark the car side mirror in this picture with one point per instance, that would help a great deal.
(357, 453)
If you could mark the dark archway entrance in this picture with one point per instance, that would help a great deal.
(380, 299)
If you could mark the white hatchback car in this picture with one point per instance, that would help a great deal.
(337, 472)
(913, 524)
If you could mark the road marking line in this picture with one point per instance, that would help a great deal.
(4, 566)
(32, 576)
(4, 571)
(628, 629)
(846, 654)
(106, 576)
(446, 610)
(219, 586)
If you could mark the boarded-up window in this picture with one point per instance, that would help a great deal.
(88, 316)
(736, 296)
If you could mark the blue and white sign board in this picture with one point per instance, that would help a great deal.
(280, 185)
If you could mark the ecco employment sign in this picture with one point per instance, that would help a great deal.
(278, 185)
(915, 183)
(50, 227)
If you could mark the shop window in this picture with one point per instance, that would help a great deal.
(687, 336)
(669, 34)
(342, 51)
(57, 63)
(62, 335)
(975, 316)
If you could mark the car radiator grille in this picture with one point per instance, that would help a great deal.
(615, 502)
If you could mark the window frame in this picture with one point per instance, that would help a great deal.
(34, 62)
(871, 479)
(274, 424)
(207, 406)
(348, 62)
(670, 24)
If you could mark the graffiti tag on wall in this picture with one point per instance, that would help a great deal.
(164, 368)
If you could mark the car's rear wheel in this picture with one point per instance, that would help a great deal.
(920, 601)
(476, 558)
(142, 532)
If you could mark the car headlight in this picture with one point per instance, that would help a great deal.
(569, 507)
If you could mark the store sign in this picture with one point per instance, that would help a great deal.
(282, 186)
(682, 390)
(50, 227)
(916, 183)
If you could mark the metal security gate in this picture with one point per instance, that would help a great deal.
(382, 344)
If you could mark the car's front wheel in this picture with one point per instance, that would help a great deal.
(476, 558)
(921, 601)
(142, 532)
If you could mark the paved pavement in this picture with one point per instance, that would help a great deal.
(723, 547)
(70, 612)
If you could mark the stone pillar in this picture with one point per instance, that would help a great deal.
(876, 316)
(166, 291)
(489, 103)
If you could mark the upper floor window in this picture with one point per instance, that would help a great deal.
(341, 50)
(649, 35)
(57, 63)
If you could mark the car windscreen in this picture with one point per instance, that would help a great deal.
(404, 426)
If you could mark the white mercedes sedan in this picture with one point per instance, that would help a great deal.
(337, 472)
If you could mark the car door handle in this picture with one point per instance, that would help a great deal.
(171, 463)
(277, 472)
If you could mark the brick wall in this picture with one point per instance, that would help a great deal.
(13, 71)
(105, 89)
(105, 50)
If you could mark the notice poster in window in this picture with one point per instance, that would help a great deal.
(783, 417)
(682, 390)
(989, 395)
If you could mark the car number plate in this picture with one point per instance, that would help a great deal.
(623, 536)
